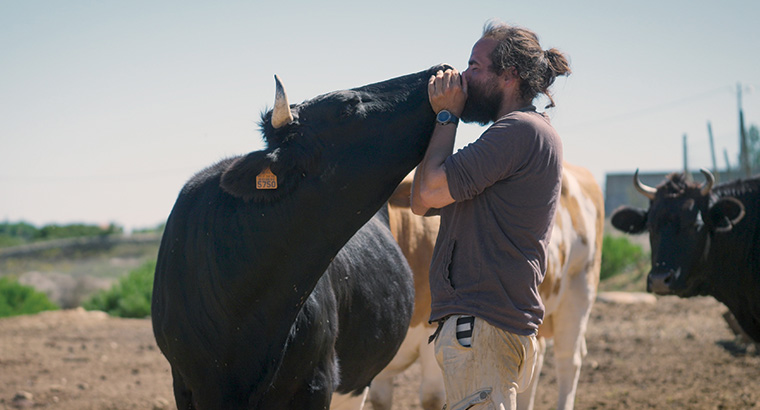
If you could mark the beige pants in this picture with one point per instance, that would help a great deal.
(489, 374)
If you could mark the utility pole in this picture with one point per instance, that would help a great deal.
(728, 163)
(744, 150)
(686, 158)
(712, 152)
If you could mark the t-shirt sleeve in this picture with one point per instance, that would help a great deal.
(501, 151)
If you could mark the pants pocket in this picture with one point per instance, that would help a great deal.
(464, 328)
(480, 400)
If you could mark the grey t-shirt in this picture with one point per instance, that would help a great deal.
(490, 255)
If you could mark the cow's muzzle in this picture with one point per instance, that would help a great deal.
(659, 282)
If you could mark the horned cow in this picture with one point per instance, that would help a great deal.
(705, 240)
(241, 308)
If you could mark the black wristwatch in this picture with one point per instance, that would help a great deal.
(445, 117)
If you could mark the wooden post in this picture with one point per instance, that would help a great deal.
(686, 158)
(744, 150)
(728, 163)
(712, 152)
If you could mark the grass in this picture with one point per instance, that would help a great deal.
(625, 262)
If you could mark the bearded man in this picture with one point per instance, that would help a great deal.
(497, 198)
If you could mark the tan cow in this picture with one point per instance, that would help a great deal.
(572, 275)
(568, 290)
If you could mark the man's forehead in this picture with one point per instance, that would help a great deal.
(483, 47)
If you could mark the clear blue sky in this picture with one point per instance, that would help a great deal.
(107, 108)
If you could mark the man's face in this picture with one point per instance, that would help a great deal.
(484, 95)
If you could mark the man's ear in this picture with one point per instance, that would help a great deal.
(510, 73)
(726, 213)
(629, 220)
(259, 176)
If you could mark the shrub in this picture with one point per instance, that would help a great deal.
(129, 297)
(6, 241)
(13, 234)
(22, 231)
(49, 232)
(618, 254)
(17, 299)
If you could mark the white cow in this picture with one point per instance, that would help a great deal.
(568, 291)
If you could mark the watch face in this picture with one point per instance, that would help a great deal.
(444, 116)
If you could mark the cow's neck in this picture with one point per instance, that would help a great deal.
(293, 253)
(732, 269)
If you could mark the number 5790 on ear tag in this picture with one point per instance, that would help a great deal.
(266, 180)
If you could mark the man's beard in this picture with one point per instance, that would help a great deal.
(482, 105)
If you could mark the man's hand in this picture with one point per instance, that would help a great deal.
(447, 90)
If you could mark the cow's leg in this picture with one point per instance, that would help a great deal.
(316, 391)
(432, 394)
(381, 389)
(349, 401)
(182, 395)
(381, 393)
(310, 400)
(570, 322)
(526, 399)
(750, 324)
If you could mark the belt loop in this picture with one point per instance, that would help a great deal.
(435, 334)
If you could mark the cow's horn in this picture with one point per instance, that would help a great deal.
(645, 190)
(281, 114)
(710, 181)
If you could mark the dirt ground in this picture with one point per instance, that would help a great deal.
(674, 354)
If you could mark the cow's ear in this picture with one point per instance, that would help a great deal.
(726, 213)
(629, 220)
(259, 176)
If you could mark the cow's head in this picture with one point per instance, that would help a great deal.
(683, 218)
(358, 141)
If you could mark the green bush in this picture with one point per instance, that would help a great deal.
(17, 299)
(20, 233)
(129, 297)
(49, 232)
(6, 241)
(618, 254)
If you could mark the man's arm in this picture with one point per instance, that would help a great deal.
(430, 188)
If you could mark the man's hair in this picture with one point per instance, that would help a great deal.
(519, 48)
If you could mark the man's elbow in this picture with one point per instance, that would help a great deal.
(423, 202)
(417, 207)
(418, 202)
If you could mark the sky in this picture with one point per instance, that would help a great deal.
(107, 108)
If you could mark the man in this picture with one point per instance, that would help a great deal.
(497, 198)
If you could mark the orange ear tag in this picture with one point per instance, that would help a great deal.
(266, 180)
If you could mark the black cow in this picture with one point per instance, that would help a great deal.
(241, 308)
(705, 241)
